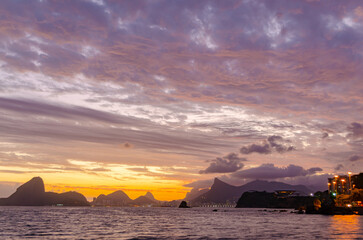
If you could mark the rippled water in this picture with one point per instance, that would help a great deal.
(172, 223)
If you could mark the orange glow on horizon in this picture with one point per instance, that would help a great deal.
(93, 186)
(162, 194)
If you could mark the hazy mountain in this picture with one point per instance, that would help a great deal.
(32, 193)
(118, 198)
(150, 196)
(194, 193)
(143, 200)
(222, 192)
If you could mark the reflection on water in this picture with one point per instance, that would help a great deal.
(346, 227)
(172, 223)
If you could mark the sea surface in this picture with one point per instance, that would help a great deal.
(172, 223)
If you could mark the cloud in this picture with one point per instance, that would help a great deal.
(339, 167)
(127, 145)
(273, 143)
(90, 125)
(227, 164)
(354, 158)
(270, 171)
(232, 73)
(356, 130)
(254, 148)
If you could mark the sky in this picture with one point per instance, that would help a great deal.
(166, 95)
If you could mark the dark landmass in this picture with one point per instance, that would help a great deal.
(65, 199)
(271, 200)
(320, 203)
(32, 193)
(150, 196)
(120, 199)
(222, 192)
(183, 204)
(143, 200)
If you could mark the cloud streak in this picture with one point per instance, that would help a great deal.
(270, 171)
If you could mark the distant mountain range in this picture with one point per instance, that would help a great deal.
(119, 198)
(222, 192)
(32, 193)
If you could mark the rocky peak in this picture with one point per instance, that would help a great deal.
(150, 196)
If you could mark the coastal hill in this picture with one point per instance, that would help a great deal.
(222, 192)
(32, 193)
(271, 200)
(119, 198)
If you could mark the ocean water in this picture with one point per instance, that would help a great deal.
(172, 223)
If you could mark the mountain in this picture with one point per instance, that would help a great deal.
(143, 200)
(150, 196)
(32, 193)
(118, 198)
(222, 192)
(147, 200)
(65, 199)
(194, 193)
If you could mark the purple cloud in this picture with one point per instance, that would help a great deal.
(273, 143)
(270, 171)
(227, 164)
(354, 158)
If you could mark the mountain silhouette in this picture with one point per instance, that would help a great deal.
(118, 198)
(143, 200)
(194, 193)
(150, 196)
(66, 199)
(222, 192)
(32, 193)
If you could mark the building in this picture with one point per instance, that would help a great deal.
(339, 184)
(347, 190)
(357, 181)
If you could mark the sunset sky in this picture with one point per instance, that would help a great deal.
(163, 95)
